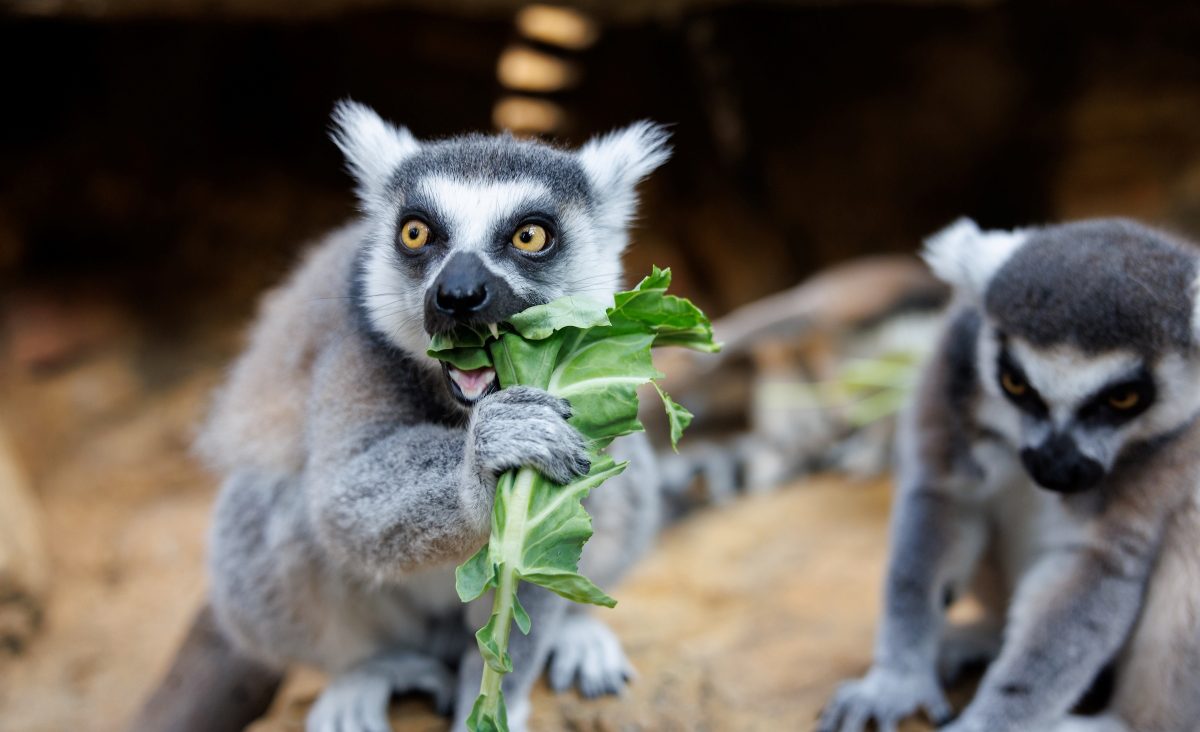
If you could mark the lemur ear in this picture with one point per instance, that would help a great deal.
(373, 147)
(967, 258)
(616, 162)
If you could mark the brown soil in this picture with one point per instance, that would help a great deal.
(744, 617)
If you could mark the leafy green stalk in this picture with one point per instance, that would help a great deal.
(596, 356)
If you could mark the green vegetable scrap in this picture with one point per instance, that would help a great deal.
(595, 355)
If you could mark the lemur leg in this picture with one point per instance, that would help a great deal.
(528, 652)
(1102, 723)
(937, 540)
(626, 515)
(357, 699)
(587, 652)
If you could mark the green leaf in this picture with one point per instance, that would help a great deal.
(571, 585)
(673, 320)
(493, 655)
(678, 417)
(596, 357)
(557, 526)
(464, 349)
(528, 363)
(475, 576)
(540, 321)
(483, 719)
(520, 615)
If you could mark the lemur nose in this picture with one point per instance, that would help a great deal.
(458, 300)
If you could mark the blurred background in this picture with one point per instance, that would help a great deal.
(162, 162)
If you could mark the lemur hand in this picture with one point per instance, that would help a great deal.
(887, 697)
(522, 426)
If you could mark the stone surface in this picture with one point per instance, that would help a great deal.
(744, 618)
(23, 563)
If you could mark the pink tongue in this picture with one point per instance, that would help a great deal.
(474, 381)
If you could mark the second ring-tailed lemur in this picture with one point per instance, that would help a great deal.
(1050, 464)
(358, 471)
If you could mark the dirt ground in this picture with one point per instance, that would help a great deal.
(744, 617)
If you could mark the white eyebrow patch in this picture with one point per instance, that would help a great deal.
(471, 209)
(1065, 376)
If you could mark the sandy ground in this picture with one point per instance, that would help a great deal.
(743, 618)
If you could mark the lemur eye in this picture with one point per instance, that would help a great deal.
(1124, 400)
(414, 234)
(1013, 384)
(530, 238)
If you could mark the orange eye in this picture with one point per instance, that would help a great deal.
(1012, 384)
(530, 238)
(414, 234)
(1128, 400)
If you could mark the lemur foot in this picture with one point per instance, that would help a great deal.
(357, 700)
(886, 697)
(587, 653)
(965, 646)
(522, 426)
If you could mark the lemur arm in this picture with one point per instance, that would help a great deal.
(1069, 619)
(937, 531)
(937, 536)
(1076, 609)
(386, 492)
(936, 541)
(389, 493)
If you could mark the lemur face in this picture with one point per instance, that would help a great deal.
(471, 230)
(1076, 412)
(1087, 347)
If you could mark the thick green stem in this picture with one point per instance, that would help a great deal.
(511, 543)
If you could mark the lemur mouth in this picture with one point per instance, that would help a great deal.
(469, 387)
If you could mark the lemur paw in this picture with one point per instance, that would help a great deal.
(357, 700)
(885, 697)
(522, 426)
(586, 652)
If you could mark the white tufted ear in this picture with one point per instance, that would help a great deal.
(967, 258)
(373, 147)
(616, 162)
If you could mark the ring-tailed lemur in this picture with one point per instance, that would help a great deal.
(1050, 464)
(358, 471)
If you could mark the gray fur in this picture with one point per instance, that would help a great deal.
(488, 158)
(1080, 579)
(354, 480)
(1137, 291)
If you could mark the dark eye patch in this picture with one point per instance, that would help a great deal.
(539, 215)
(1009, 373)
(1121, 401)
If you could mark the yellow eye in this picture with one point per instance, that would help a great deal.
(1128, 400)
(1012, 384)
(530, 238)
(414, 233)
